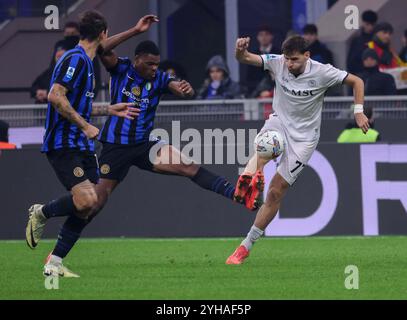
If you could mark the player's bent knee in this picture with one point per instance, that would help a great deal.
(86, 201)
(188, 170)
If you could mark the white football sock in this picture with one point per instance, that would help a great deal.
(55, 259)
(253, 235)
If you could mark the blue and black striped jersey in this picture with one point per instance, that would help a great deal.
(126, 85)
(74, 71)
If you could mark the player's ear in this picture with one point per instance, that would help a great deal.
(307, 54)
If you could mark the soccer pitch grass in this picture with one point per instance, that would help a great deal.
(278, 268)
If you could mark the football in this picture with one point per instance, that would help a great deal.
(269, 144)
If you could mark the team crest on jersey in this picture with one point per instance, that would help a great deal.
(78, 172)
(136, 90)
(312, 83)
(70, 72)
(105, 169)
(148, 86)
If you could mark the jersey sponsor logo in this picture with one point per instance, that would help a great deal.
(134, 97)
(70, 72)
(299, 93)
(90, 94)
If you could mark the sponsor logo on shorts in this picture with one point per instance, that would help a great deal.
(78, 172)
(105, 169)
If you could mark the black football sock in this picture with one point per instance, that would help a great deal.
(68, 235)
(210, 181)
(63, 206)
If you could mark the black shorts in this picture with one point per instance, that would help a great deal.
(74, 166)
(116, 159)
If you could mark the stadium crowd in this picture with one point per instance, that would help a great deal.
(370, 53)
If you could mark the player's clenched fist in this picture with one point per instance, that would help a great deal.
(242, 44)
(91, 132)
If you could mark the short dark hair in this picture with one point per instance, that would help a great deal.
(369, 16)
(72, 24)
(310, 29)
(265, 27)
(3, 131)
(294, 44)
(91, 25)
(147, 47)
(383, 26)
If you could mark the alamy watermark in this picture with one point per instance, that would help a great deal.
(51, 282)
(351, 277)
(352, 20)
(210, 146)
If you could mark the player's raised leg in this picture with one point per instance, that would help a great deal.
(250, 184)
(276, 192)
(170, 160)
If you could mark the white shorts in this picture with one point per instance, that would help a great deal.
(296, 153)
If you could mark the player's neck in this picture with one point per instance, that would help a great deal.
(300, 72)
(89, 47)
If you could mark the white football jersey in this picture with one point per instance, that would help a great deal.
(298, 100)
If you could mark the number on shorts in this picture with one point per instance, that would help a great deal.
(299, 164)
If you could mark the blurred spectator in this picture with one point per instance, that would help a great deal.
(381, 43)
(265, 45)
(72, 37)
(71, 28)
(403, 52)
(353, 134)
(264, 88)
(319, 51)
(359, 43)
(40, 86)
(176, 70)
(377, 83)
(218, 84)
(4, 144)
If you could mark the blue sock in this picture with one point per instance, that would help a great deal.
(61, 207)
(69, 234)
(213, 182)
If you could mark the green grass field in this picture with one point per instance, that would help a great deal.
(278, 268)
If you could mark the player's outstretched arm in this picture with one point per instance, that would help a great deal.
(244, 56)
(123, 110)
(181, 89)
(359, 94)
(108, 57)
(57, 98)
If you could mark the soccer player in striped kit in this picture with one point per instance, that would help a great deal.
(68, 142)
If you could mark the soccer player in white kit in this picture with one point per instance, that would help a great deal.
(301, 84)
